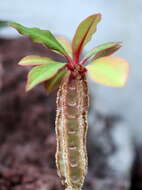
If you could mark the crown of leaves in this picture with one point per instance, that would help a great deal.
(101, 67)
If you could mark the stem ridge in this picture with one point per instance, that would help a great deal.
(71, 130)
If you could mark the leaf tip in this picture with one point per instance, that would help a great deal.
(96, 14)
(118, 45)
(99, 15)
(20, 63)
(23, 62)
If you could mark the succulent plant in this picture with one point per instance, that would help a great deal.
(72, 98)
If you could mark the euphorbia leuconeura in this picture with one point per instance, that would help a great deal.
(72, 98)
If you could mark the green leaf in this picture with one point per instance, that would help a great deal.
(66, 45)
(111, 71)
(40, 36)
(84, 33)
(35, 60)
(42, 73)
(55, 81)
(103, 50)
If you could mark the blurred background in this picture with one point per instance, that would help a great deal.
(121, 21)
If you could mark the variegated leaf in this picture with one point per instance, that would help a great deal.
(112, 71)
(35, 60)
(54, 82)
(66, 44)
(84, 33)
(42, 73)
(40, 36)
(103, 50)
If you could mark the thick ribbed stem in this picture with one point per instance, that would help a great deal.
(71, 129)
